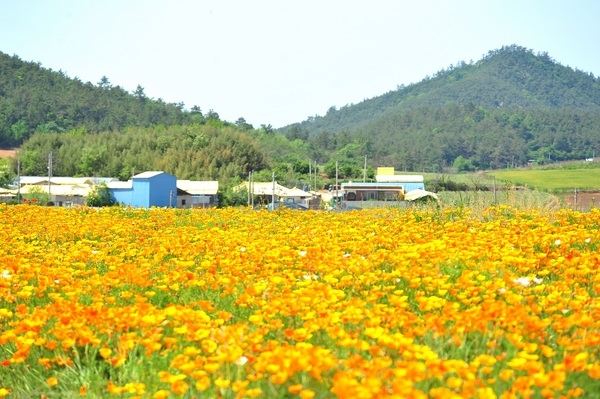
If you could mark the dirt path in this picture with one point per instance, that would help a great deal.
(7, 153)
(585, 200)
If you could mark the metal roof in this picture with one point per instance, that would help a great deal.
(418, 193)
(194, 187)
(26, 180)
(58, 189)
(120, 184)
(399, 178)
(147, 175)
(266, 188)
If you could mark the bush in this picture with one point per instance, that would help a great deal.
(100, 196)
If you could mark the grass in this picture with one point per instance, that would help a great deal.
(479, 200)
(552, 180)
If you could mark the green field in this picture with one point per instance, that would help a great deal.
(477, 200)
(584, 176)
(551, 179)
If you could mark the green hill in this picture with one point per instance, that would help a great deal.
(34, 99)
(505, 109)
(511, 107)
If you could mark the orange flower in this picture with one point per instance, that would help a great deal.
(52, 381)
(179, 387)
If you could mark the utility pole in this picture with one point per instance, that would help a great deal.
(50, 174)
(336, 183)
(309, 171)
(19, 180)
(365, 171)
(273, 193)
(252, 188)
(316, 168)
(249, 186)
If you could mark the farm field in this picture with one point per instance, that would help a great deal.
(552, 179)
(236, 303)
(555, 178)
(479, 200)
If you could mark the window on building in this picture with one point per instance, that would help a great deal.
(182, 202)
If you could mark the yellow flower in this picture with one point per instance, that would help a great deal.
(52, 381)
(161, 394)
(105, 352)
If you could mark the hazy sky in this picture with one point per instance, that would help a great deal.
(278, 62)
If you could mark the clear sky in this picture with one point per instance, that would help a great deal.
(280, 61)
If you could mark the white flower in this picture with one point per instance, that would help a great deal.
(243, 249)
(557, 242)
(5, 274)
(524, 281)
(310, 277)
(241, 361)
(588, 240)
(501, 290)
(346, 255)
(56, 281)
(302, 253)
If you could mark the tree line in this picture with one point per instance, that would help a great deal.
(508, 109)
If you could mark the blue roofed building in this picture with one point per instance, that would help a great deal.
(146, 190)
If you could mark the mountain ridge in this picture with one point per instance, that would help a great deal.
(507, 72)
(508, 108)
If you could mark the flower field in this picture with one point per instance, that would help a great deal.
(236, 303)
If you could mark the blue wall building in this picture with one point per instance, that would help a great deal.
(146, 190)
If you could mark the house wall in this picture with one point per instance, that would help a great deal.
(68, 200)
(374, 195)
(159, 190)
(162, 190)
(122, 195)
(140, 196)
(409, 186)
(392, 191)
(184, 201)
(204, 201)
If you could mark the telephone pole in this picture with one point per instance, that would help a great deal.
(18, 180)
(50, 174)
(273, 193)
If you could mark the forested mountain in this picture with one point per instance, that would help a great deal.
(102, 130)
(508, 108)
(505, 109)
(34, 99)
